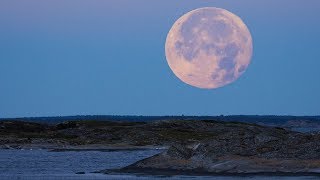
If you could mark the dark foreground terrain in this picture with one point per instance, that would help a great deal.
(237, 148)
(195, 146)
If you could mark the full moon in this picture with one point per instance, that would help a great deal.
(208, 48)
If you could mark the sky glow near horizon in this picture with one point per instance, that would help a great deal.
(81, 57)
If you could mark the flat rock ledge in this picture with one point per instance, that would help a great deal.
(174, 164)
(250, 150)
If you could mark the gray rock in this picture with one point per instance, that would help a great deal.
(244, 149)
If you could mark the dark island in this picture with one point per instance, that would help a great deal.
(203, 147)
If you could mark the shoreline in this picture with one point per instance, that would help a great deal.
(111, 148)
(199, 172)
(203, 148)
(96, 147)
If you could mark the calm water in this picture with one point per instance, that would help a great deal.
(41, 164)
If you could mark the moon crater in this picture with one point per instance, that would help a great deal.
(209, 48)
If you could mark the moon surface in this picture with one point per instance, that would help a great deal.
(209, 48)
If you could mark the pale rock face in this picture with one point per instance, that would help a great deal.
(238, 148)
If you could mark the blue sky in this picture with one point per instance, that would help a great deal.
(107, 57)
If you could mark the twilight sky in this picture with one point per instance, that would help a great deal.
(79, 57)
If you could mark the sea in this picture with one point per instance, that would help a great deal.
(38, 164)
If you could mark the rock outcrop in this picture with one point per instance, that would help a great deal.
(237, 148)
(196, 146)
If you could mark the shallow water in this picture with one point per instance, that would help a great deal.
(41, 164)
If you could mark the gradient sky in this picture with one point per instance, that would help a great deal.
(78, 57)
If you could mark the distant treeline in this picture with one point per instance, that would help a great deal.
(269, 119)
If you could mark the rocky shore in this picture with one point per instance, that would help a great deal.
(193, 146)
(89, 134)
(238, 149)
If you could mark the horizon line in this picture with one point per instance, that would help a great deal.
(182, 115)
